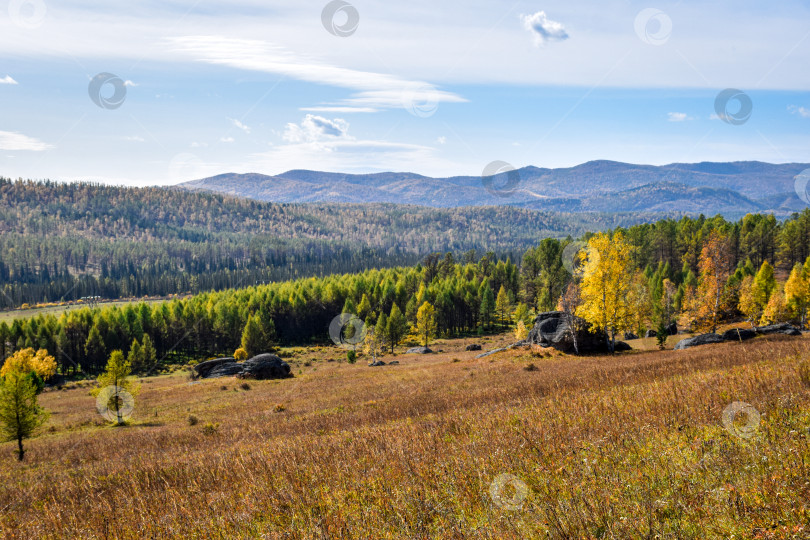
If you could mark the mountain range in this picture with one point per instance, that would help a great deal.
(732, 189)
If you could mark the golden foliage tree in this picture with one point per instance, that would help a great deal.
(777, 309)
(797, 292)
(606, 282)
(26, 361)
(711, 298)
(117, 376)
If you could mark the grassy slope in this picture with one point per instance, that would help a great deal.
(618, 447)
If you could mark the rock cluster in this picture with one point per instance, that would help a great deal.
(552, 329)
(739, 334)
(261, 366)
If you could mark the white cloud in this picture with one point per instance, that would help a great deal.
(7, 80)
(677, 116)
(129, 83)
(316, 129)
(227, 139)
(372, 90)
(442, 140)
(240, 125)
(196, 144)
(10, 140)
(134, 138)
(799, 111)
(543, 29)
(339, 109)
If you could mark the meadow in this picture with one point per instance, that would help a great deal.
(528, 443)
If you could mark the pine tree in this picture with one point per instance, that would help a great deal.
(502, 305)
(487, 305)
(95, 349)
(20, 415)
(396, 328)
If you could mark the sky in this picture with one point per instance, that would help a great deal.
(158, 92)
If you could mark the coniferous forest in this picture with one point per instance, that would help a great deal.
(167, 241)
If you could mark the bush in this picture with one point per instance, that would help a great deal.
(245, 386)
(192, 420)
(279, 407)
(351, 356)
(210, 429)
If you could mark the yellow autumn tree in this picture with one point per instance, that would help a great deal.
(777, 309)
(426, 323)
(797, 292)
(607, 278)
(712, 296)
(27, 360)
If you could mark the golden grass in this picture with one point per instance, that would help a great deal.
(624, 447)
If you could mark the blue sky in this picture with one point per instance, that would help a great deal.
(434, 88)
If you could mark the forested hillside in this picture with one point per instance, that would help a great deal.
(669, 270)
(61, 242)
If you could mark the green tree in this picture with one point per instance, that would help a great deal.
(396, 328)
(95, 349)
(426, 323)
(502, 305)
(20, 414)
(257, 337)
(116, 376)
(487, 305)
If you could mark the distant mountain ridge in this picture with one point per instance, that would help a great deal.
(732, 189)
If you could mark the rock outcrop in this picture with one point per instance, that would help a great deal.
(552, 329)
(739, 334)
(702, 339)
(419, 350)
(261, 366)
(782, 328)
(473, 347)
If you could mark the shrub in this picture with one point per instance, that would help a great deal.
(279, 407)
(192, 420)
(245, 386)
(210, 429)
(351, 356)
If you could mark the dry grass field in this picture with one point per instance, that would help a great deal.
(630, 446)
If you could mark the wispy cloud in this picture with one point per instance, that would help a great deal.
(134, 138)
(130, 83)
(677, 116)
(372, 90)
(799, 111)
(227, 139)
(7, 80)
(543, 29)
(240, 125)
(317, 129)
(10, 140)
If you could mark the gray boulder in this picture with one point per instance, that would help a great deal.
(473, 347)
(703, 339)
(782, 328)
(203, 369)
(265, 366)
(552, 329)
(377, 363)
(228, 369)
(739, 334)
(630, 335)
(418, 350)
(651, 333)
(672, 329)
